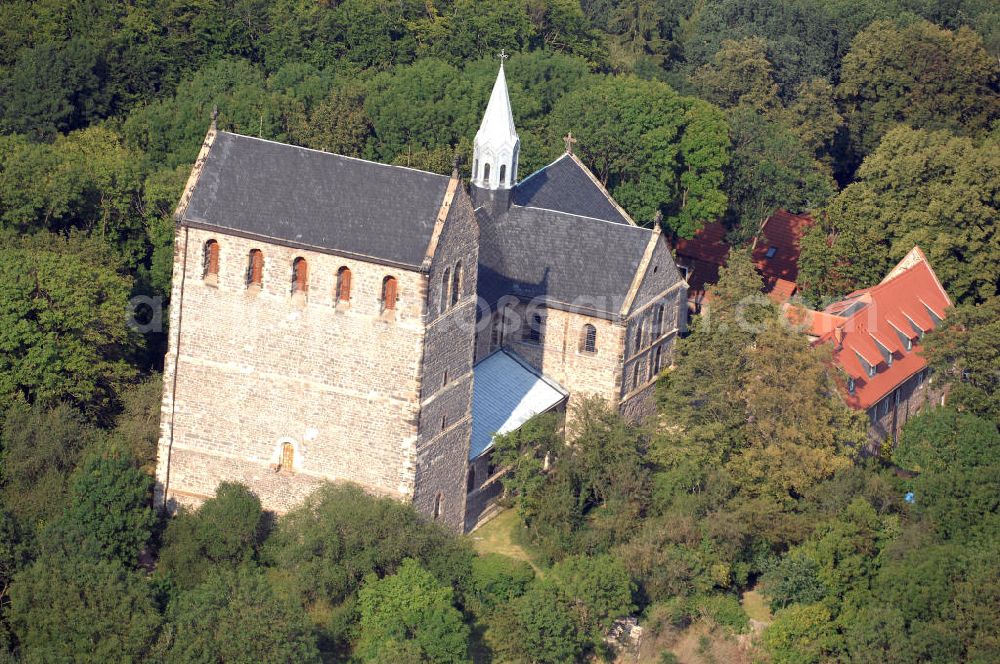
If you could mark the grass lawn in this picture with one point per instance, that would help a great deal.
(497, 536)
(756, 606)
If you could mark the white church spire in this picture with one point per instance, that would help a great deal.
(494, 162)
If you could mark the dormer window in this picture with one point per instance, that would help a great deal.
(850, 386)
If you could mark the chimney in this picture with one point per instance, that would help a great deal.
(838, 335)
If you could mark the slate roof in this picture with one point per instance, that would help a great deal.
(506, 393)
(317, 200)
(575, 263)
(566, 185)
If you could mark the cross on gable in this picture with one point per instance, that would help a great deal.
(569, 141)
(503, 55)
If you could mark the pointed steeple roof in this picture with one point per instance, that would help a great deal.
(497, 127)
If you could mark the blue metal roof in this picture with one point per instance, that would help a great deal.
(506, 393)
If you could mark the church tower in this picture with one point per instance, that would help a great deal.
(494, 158)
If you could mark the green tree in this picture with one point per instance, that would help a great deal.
(224, 532)
(801, 634)
(64, 313)
(339, 534)
(739, 75)
(412, 609)
(931, 189)
(39, 449)
(70, 609)
(497, 580)
(237, 616)
(771, 168)
(109, 504)
(964, 352)
(653, 149)
(54, 88)
(565, 615)
(537, 628)
(338, 124)
(813, 116)
(920, 75)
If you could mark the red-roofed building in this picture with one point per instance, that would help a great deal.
(775, 253)
(876, 334)
(699, 259)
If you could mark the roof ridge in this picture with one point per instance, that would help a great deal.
(581, 216)
(552, 163)
(602, 188)
(334, 154)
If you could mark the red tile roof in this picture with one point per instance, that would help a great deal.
(703, 255)
(780, 235)
(870, 326)
(707, 251)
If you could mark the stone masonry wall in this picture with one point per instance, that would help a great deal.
(887, 417)
(446, 400)
(247, 371)
(650, 337)
(559, 353)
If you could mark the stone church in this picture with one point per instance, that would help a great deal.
(335, 319)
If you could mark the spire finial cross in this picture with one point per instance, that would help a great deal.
(569, 141)
(503, 56)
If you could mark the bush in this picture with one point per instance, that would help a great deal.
(410, 614)
(497, 580)
(724, 610)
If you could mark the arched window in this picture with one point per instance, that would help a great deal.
(445, 284)
(255, 268)
(456, 284)
(533, 333)
(475, 168)
(635, 376)
(287, 456)
(638, 336)
(486, 171)
(438, 506)
(344, 284)
(211, 259)
(658, 322)
(471, 482)
(503, 173)
(389, 294)
(588, 339)
(300, 275)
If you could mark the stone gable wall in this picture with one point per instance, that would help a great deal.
(446, 406)
(256, 369)
(560, 355)
(661, 286)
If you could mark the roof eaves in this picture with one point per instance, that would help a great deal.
(204, 225)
